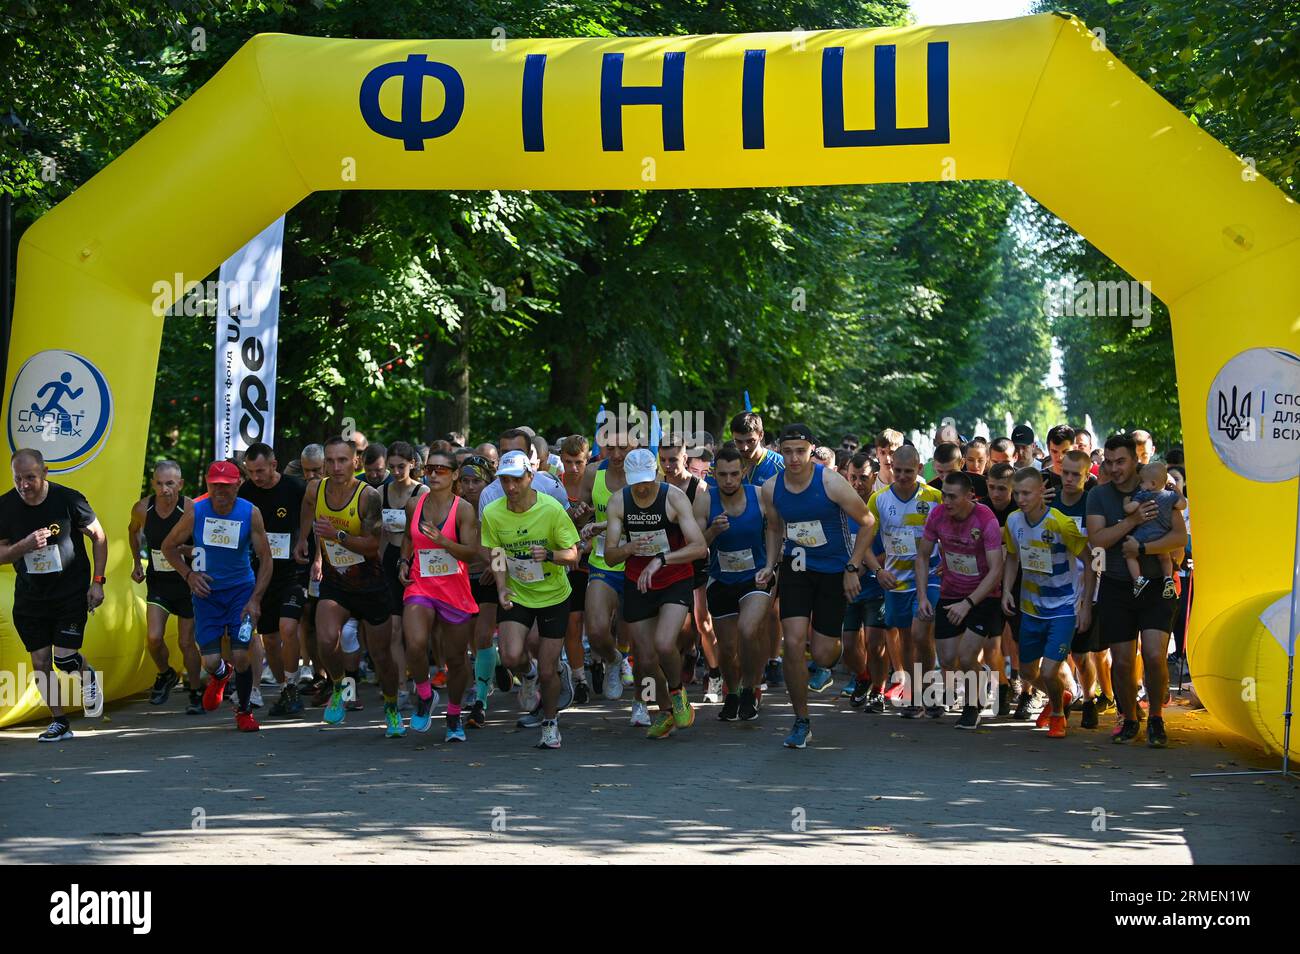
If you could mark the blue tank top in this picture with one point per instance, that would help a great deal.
(871, 590)
(744, 544)
(814, 522)
(225, 542)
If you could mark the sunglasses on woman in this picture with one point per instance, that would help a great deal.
(440, 469)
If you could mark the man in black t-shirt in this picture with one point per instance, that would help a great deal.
(279, 498)
(41, 526)
(948, 460)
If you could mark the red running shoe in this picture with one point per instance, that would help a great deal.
(215, 690)
(440, 679)
(1056, 727)
(245, 722)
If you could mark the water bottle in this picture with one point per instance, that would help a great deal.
(246, 629)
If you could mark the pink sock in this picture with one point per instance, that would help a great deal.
(424, 690)
(453, 709)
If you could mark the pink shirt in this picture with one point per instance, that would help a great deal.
(963, 547)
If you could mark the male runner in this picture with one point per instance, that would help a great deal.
(311, 466)
(1091, 666)
(1044, 542)
(887, 442)
(948, 460)
(226, 531)
(672, 461)
(400, 489)
(898, 513)
(808, 507)
(279, 500)
(652, 527)
(532, 542)
(968, 619)
(574, 452)
(345, 514)
(737, 539)
(152, 518)
(41, 526)
(1123, 618)
(605, 579)
(476, 472)
(1001, 500)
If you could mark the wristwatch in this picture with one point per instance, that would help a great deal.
(101, 580)
(550, 555)
(341, 536)
(850, 568)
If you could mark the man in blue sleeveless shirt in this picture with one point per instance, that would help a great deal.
(808, 507)
(227, 596)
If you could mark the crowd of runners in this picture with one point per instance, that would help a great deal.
(999, 579)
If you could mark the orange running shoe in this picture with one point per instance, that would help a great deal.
(1056, 727)
(440, 679)
(215, 690)
(245, 722)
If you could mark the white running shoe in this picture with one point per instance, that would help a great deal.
(640, 715)
(90, 699)
(566, 685)
(403, 701)
(254, 698)
(550, 735)
(625, 672)
(268, 677)
(529, 695)
(714, 691)
(613, 681)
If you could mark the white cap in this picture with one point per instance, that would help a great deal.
(640, 466)
(513, 464)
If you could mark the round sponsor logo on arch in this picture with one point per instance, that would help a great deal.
(1253, 414)
(60, 404)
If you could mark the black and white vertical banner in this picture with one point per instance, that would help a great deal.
(248, 318)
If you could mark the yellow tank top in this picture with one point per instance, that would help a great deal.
(600, 494)
(341, 565)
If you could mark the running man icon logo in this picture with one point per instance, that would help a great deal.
(61, 403)
(1234, 418)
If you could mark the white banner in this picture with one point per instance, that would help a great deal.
(248, 316)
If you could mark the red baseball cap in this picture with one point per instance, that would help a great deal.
(223, 472)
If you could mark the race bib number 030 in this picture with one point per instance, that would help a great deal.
(437, 563)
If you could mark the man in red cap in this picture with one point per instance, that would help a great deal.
(227, 596)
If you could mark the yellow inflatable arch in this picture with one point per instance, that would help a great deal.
(1035, 100)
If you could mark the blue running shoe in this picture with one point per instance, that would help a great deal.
(393, 728)
(422, 715)
(819, 678)
(455, 729)
(799, 735)
(334, 711)
(849, 688)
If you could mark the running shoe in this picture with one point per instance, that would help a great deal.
(529, 693)
(565, 673)
(799, 735)
(849, 688)
(477, 717)
(1126, 731)
(322, 693)
(613, 688)
(163, 686)
(268, 677)
(196, 703)
(1139, 585)
(663, 726)
(595, 671)
(255, 698)
(440, 678)
(503, 678)
(353, 705)
(334, 711)
(581, 692)
(1104, 703)
(730, 708)
(550, 735)
(404, 701)
(683, 711)
(216, 690)
(819, 678)
(1089, 719)
(861, 692)
(1021, 712)
(936, 712)
(530, 720)
(1004, 700)
(455, 730)
(625, 671)
(875, 704)
(288, 703)
(1043, 718)
(90, 699)
(774, 675)
(912, 712)
(713, 691)
(640, 715)
(896, 693)
(970, 718)
(1056, 727)
(393, 728)
(57, 731)
(1156, 737)
(423, 714)
(245, 722)
(748, 710)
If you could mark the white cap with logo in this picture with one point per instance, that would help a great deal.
(514, 464)
(640, 466)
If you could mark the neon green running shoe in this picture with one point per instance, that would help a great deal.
(662, 727)
(394, 729)
(334, 711)
(683, 711)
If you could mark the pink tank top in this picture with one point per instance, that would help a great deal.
(434, 572)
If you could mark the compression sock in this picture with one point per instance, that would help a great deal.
(244, 687)
(424, 689)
